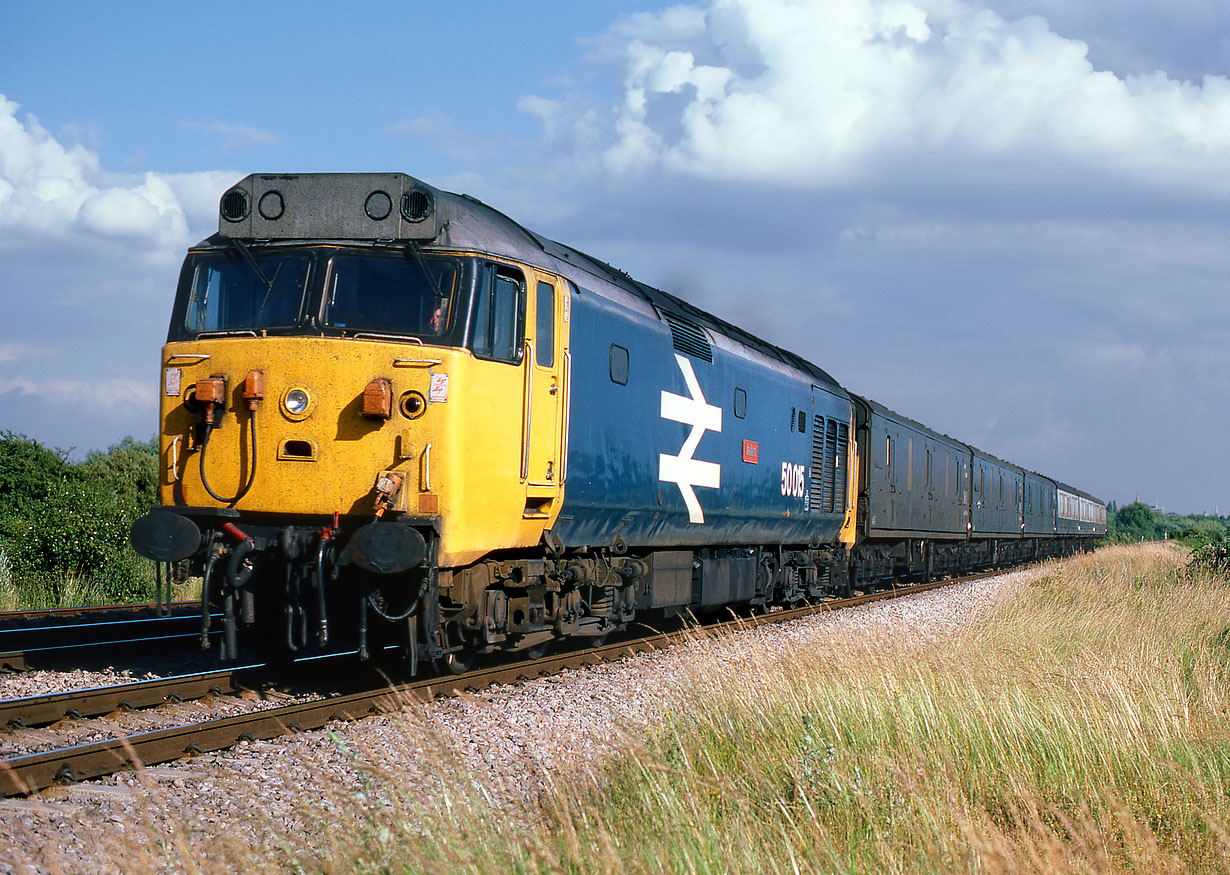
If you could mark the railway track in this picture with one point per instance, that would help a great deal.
(50, 639)
(9, 619)
(23, 775)
(33, 711)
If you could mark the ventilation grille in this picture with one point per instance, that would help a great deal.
(815, 489)
(234, 205)
(690, 340)
(416, 205)
(829, 442)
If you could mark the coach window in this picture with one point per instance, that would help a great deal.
(740, 403)
(499, 315)
(544, 323)
(619, 364)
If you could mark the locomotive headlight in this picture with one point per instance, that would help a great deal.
(297, 403)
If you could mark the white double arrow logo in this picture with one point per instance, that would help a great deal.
(682, 469)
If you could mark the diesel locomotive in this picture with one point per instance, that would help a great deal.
(391, 416)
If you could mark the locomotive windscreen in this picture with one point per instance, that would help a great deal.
(247, 290)
(231, 294)
(390, 295)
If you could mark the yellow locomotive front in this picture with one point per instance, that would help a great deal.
(349, 405)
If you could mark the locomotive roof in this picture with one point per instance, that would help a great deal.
(338, 207)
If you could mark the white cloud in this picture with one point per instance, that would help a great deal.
(50, 192)
(236, 136)
(20, 353)
(439, 132)
(825, 92)
(111, 394)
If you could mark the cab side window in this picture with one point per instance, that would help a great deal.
(499, 315)
(544, 308)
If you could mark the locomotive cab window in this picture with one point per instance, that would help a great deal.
(238, 291)
(256, 289)
(498, 330)
(544, 326)
(389, 294)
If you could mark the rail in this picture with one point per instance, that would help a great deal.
(30, 773)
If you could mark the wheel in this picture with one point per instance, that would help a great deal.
(458, 662)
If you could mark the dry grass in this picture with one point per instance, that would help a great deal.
(1080, 728)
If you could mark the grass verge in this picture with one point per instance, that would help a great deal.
(1081, 728)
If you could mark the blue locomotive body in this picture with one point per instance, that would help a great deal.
(682, 436)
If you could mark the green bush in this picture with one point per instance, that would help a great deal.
(1139, 522)
(63, 521)
(1213, 557)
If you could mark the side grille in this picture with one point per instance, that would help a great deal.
(830, 463)
(829, 443)
(839, 467)
(815, 488)
(689, 339)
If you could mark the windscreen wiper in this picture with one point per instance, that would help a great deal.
(255, 265)
(422, 265)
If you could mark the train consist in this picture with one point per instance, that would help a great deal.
(393, 415)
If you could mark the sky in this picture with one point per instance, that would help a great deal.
(1004, 218)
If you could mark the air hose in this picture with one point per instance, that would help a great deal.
(251, 471)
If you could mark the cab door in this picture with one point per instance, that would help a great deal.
(545, 407)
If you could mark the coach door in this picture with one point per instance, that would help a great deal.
(546, 390)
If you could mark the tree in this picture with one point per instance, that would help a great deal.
(1136, 522)
(58, 518)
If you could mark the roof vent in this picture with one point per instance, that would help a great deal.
(416, 205)
(234, 205)
(689, 339)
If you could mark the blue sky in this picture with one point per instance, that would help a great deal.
(1006, 219)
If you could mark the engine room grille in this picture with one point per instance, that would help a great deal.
(815, 489)
(689, 339)
(829, 443)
